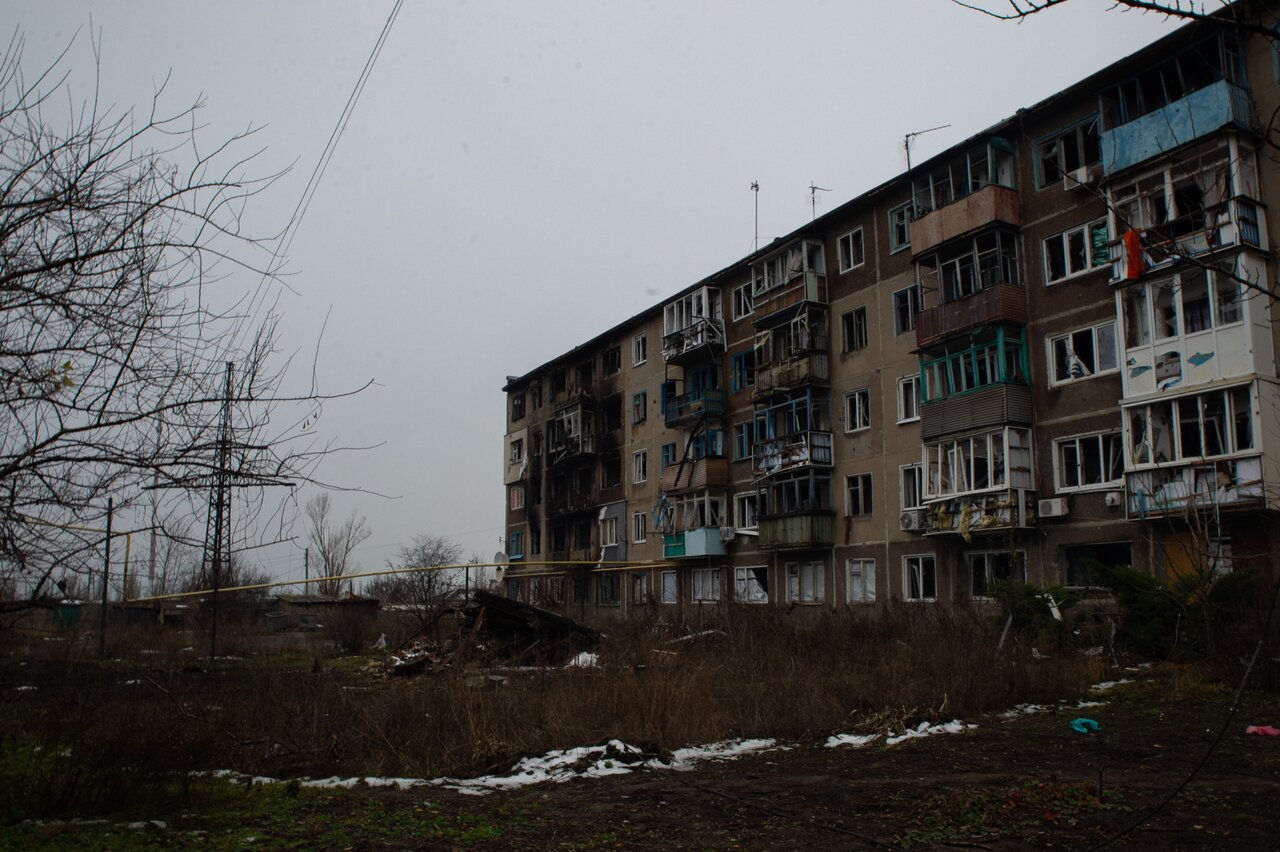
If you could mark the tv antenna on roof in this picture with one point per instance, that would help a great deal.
(755, 187)
(813, 196)
(906, 141)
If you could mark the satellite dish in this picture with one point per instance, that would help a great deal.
(500, 558)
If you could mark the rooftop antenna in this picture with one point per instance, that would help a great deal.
(814, 189)
(906, 140)
(755, 187)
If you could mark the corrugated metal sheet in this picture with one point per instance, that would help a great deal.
(989, 407)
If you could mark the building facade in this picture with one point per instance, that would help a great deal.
(1053, 344)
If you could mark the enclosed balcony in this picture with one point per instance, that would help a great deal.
(1001, 303)
(1191, 117)
(1213, 485)
(695, 473)
(798, 530)
(693, 326)
(791, 452)
(570, 503)
(988, 407)
(688, 407)
(789, 276)
(693, 543)
(989, 205)
(805, 287)
(974, 514)
(807, 368)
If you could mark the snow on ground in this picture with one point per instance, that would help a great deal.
(853, 740)
(584, 660)
(1109, 684)
(723, 750)
(1025, 710)
(924, 729)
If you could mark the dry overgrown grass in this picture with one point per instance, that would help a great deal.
(99, 734)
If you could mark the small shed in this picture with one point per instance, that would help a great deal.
(310, 612)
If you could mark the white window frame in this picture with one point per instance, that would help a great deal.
(639, 349)
(515, 452)
(854, 337)
(860, 581)
(866, 495)
(901, 212)
(916, 561)
(746, 586)
(916, 471)
(640, 467)
(741, 502)
(845, 250)
(1059, 471)
(673, 587)
(639, 528)
(516, 497)
(1092, 262)
(857, 409)
(608, 532)
(806, 594)
(706, 585)
(913, 303)
(1094, 332)
(904, 416)
(743, 301)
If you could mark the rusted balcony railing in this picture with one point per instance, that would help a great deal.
(1001, 303)
(810, 368)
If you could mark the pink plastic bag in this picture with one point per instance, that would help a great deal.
(1263, 730)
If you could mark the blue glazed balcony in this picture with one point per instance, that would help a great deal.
(1187, 119)
(685, 544)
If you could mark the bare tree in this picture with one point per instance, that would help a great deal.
(332, 541)
(120, 236)
(1237, 14)
(426, 593)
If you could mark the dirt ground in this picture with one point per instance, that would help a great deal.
(1026, 782)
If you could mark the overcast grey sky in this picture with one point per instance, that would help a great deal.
(517, 176)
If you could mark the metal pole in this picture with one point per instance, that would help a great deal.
(106, 573)
(306, 568)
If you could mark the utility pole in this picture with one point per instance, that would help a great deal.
(306, 570)
(218, 534)
(814, 189)
(106, 573)
(755, 188)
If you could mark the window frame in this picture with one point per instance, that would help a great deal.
(857, 402)
(742, 296)
(1059, 471)
(854, 336)
(901, 212)
(639, 407)
(913, 303)
(743, 443)
(920, 559)
(708, 579)
(1018, 566)
(639, 467)
(863, 483)
(1094, 332)
(1074, 130)
(744, 578)
(1093, 259)
(639, 528)
(515, 451)
(608, 532)
(903, 472)
(516, 497)
(674, 588)
(817, 591)
(743, 499)
(866, 587)
(914, 381)
(607, 581)
(854, 237)
(639, 349)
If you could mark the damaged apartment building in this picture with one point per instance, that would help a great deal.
(1050, 345)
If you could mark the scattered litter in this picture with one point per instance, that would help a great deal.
(1095, 651)
(584, 660)
(133, 682)
(1084, 726)
(1263, 730)
(1109, 684)
(693, 636)
(381, 644)
(924, 729)
(853, 740)
(1025, 710)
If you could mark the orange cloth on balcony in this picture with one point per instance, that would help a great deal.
(1132, 254)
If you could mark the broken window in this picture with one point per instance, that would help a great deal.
(850, 250)
(743, 367)
(911, 486)
(995, 566)
(640, 589)
(1187, 71)
(1081, 557)
(991, 162)
(670, 587)
(751, 585)
(906, 304)
(1086, 461)
(853, 327)
(919, 578)
(515, 544)
(744, 511)
(610, 471)
(639, 350)
(639, 407)
(1076, 251)
(1066, 152)
(964, 268)
(535, 391)
(857, 410)
(858, 490)
(909, 398)
(743, 303)
(613, 361)
(706, 585)
(640, 466)
(517, 406)
(1083, 353)
(516, 454)
(900, 228)
(639, 527)
(608, 589)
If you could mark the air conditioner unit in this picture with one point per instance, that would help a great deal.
(727, 533)
(1085, 177)
(1114, 499)
(1054, 508)
(914, 520)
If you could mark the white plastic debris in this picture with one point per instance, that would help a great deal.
(852, 740)
(924, 729)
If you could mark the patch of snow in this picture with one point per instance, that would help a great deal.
(723, 750)
(1025, 710)
(24, 688)
(1081, 704)
(853, 740)
(1109, 684)
(134, 682)
(584, 660)
(924, 729)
